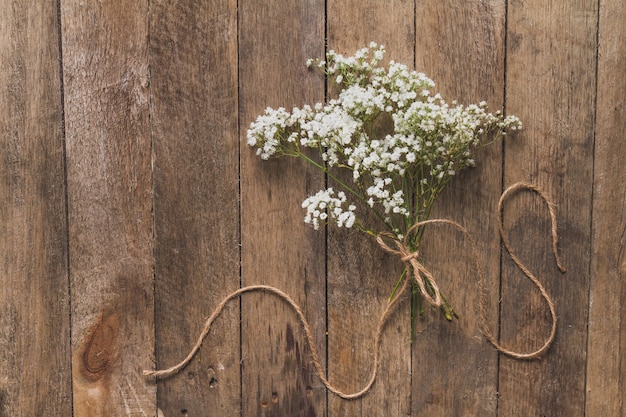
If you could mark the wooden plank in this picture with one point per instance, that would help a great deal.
(460, 45)
(278, 379)
(106, 84)
(34, 298)
(551, 51)
(360, 274)
(606, 363)
(196, 208)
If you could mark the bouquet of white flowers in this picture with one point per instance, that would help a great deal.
(401, 143)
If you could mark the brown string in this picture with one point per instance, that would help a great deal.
(307, 331)
(537, 353)
(421, 276)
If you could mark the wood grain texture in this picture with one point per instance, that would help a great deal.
(106, 80)
(196, 168)
(460, 45)
(360, 274)
(551, 87)
(157, 99)
(606, 363)
(34, 298)
(278, 379)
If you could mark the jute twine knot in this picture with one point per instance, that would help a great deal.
(420, 274)
(428, 289)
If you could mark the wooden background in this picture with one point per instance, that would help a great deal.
(130, 206)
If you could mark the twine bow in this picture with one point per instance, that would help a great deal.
(423, 278)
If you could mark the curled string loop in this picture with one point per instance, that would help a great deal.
(505, 240)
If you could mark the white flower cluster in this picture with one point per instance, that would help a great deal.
(324, 204)
(401, 143)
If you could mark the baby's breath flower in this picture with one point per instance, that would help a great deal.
(325, 204)
(401, 143)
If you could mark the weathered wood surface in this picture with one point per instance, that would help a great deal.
(196, 167)
(34, 297)
(606, 357)
(277, 248)
(106, 83)
(551, 86)
(127, 185)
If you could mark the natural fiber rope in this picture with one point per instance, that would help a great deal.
(410, 260)
(307, 331)
(505, 240)
(420, 274)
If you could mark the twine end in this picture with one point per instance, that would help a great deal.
(150, 373)
(559, 262)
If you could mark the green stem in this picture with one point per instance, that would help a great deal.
(395, 288)
(416, 307)
(325, 170)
